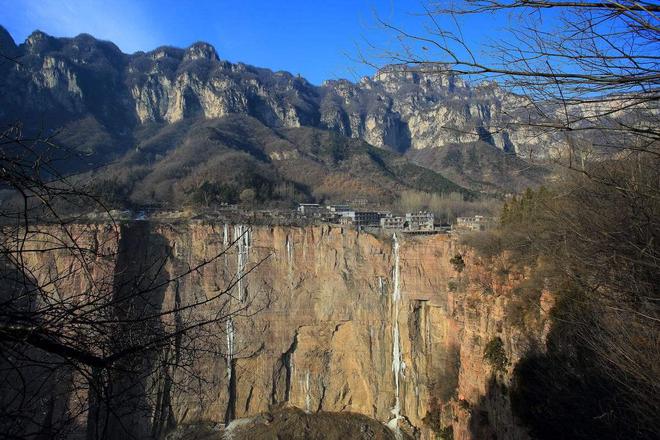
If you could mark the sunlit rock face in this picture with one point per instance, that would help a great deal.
(335, 321)
(64, 79)
(347, 327)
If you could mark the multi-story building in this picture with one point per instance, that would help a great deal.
(476, 223)
(420, 221)
(337, 209)
(361, 218)
(393, 222)
(417, 221)
(310, 209)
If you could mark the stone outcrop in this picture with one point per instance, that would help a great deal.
(69, 78)
(341, 321)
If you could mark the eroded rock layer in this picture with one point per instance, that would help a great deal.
(330, 319)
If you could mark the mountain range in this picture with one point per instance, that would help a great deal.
(171, 121)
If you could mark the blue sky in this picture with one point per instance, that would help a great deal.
(316, 38)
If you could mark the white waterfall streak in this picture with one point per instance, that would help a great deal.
(230, 346)
(289, 250)
(397, 362)
(242, 238)
(308, 397)
(229, 330)
(396, 292)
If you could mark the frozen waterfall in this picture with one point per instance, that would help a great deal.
(242, 242)
(242, 239)
(230, 346)
(397, 362)
(289, 249)
(308, 396)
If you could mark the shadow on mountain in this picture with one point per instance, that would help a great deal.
(480, 166)
(33, 388)
(213, 161)
(565, 391)
(491, 417)
(122, 404)
(568, 392)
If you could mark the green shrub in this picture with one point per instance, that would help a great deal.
(495, 355)
(446, 433)
(458, 263)
(464, 404)
(433, 416)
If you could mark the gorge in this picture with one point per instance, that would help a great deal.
(324, 319)
(193, 248)
(138, 107)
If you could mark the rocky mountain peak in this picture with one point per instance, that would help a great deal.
(7, 44)
(430, 78)
(38, 41)
(166, 52)
(401, 108)
(201, 50)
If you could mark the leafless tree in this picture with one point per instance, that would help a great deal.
(594, 245)
(94, 330)
(585, 74)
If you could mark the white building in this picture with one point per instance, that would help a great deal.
(337, 209)
(476, 223)
(419, 221)
(310, 209)
(393, 222)
(361, 218)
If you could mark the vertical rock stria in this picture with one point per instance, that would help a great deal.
(398, 365)
(242, 239)
(242, 242)
(325, 334)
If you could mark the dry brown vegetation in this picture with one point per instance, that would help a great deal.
(447, 207)
(91, 339)
(586, 75)
(592, 240)
(205, 163)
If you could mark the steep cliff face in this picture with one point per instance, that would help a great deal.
(404, 110)
(341, 321)
(105, 100)
(347, 326)
(397, 109)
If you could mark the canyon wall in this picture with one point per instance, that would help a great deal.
(331, 319)
(396, 109)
